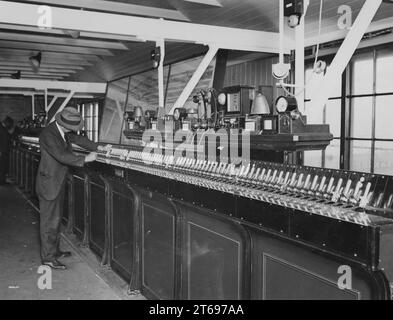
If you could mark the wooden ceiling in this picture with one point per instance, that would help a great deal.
(98, 57)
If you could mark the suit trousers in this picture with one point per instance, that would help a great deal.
(51, 213)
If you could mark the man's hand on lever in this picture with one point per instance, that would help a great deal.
(105, 148)
(92, 156)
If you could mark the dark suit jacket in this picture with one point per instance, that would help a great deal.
(4, 140)
(56, 156)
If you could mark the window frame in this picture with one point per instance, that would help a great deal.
(346, 137)
(373, 96)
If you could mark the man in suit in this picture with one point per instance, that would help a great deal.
(56, 156)
(5, 138)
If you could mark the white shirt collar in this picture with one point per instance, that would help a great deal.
(61, 131)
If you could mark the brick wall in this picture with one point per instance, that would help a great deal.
(17, 107)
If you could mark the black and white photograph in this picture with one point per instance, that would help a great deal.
(194, 157)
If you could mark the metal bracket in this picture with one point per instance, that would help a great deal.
(194, 79)
(54, 99)
(63, 105)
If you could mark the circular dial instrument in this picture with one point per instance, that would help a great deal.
(222, 98)
(286, 104)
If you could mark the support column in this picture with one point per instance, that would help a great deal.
(32, 106)
(299, 61)
(161, 45)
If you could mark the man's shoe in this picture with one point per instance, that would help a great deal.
(54, 264)
(63, 254)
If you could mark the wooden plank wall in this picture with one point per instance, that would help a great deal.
(253, 73)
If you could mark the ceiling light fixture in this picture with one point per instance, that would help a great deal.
(16, 75)
(155, 56)
(35, 61)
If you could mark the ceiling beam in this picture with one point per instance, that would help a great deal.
(145, 28)
(46, 65)
(31, 73)
(64, 41)
(77, 64)
(83, 34)
(35, 93)
(65, 58)
(116, 7)
(214, 3)
(80, 87)
(29, 69)
(341, 34)
(53, 48)
(4, 76)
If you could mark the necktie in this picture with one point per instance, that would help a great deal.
(67, 141)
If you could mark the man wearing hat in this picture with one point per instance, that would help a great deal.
(56, 157)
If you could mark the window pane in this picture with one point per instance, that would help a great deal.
(360, 156)
(112, 118)
(181, 73)
(143, 93)
(144, 90)
(384, 117)
(384, 72)
(333, 116)
(313, 158)
(361, 123)
(383, 157)
(332, 155)
(362, 75)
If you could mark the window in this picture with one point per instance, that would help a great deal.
(141, 90)
(371, 100)
(361, 115)
(384, 117)
(383, 157)
(313, 158)
(368, 143)
(333, 116)
(180, 74)
(89, 113)
(384, 66)
(362, 74)
(332, 155)
(113, 115)
(360, 155)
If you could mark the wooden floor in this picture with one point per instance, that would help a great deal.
(20, 260)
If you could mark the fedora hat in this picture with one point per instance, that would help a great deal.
(70, 119)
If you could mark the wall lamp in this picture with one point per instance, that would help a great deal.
(155, 56)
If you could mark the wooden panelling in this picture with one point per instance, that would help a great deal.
(254, 73)
(15, 106)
